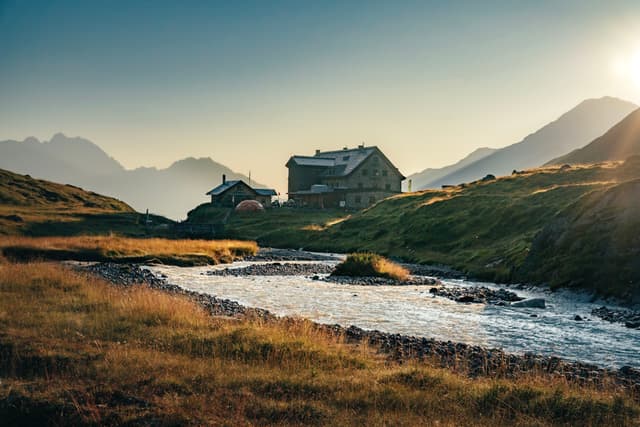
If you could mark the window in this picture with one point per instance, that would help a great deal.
(375, 159)
(365, 172)
(387, 187)
(376, 172)
(372, 200)
(385, 173)
(345, 158)
(358, 199)
(359, 185)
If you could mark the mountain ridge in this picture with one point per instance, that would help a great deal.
(79, 161)
(618, 143)
(573, 129)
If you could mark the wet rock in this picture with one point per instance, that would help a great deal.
(276, 269)
(630, 318)
(530, 303)
(380, 281)
(475, 294)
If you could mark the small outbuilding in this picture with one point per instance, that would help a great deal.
(231, 193)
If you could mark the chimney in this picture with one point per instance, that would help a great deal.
(224, 178)
(361, 146)
(345, 148)
(317, 152)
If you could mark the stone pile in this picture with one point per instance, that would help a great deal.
(379, 281)
(275, 269)
(476, 294)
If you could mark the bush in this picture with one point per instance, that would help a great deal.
(370, 264)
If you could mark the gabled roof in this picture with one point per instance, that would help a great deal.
(228, 185)
(346, 161)
(337, 163)
(223, 187)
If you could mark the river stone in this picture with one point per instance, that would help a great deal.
(530, 303)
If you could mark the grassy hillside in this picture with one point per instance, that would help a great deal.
(75, 350)
(486, 228)
(36, 207)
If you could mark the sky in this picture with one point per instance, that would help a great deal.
(250, 83)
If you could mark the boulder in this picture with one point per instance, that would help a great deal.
(530, 303)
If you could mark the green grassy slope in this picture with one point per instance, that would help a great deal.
(36, 207)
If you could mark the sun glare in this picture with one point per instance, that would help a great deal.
(628, 68)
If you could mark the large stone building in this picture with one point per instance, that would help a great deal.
(348, 178)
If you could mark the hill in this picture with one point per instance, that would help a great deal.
(78, 161)
(572, 130)
(41, 208)
(491, 230)
(620, 142)
(422, 180)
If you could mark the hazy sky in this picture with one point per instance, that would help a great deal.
(250, 83)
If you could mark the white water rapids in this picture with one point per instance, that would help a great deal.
(412, 310)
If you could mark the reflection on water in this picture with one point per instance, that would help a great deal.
(412, 310)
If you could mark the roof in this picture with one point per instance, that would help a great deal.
(220, 189)
(265, 191)
(223, 187)
(312, 161)
(340, 163)
(337, 163)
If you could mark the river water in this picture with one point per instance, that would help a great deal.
(412, 310)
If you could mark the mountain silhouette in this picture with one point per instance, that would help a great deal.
(574, 129)
(171, 192)
(619, 143)
(424, 179)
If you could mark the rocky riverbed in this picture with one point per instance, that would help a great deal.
(476, 294)
(379, 281)
(630, 318)
(470, 359)
(275, 269)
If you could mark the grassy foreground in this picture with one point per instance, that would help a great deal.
(76, 350)
(124, 249)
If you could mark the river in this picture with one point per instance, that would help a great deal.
(412, 310)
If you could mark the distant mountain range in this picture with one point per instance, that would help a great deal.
(422, 180)
(619, 143)
(572, 130)
(171, 192)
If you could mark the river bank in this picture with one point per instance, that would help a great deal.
(472, 360)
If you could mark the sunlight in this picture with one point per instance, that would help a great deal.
(628, 68)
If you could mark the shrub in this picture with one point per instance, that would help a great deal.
(370, 264)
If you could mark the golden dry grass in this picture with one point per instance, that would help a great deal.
(76, 350)
(115, 248)
(369, 264)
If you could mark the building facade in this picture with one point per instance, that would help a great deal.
(348, 178)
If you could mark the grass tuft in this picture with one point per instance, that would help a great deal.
(371, 265)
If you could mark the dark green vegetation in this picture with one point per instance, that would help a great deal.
(35, 207)
(75, 350)
(371, 265)
(488, 228)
